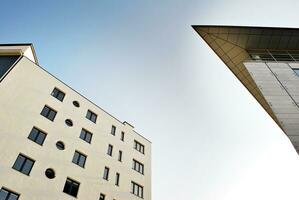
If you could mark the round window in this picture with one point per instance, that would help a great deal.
(50, 173)
(76, 104)
(69, 122)
(60, 145)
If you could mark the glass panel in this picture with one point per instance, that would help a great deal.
(296, 71)
(45, 111)
(94, 118)
(19, 162)
(52, 115)
(3, 194)
(282, 57)
(82, 160)
(76, 157)
(88, 137)
(60, 96)
(67, 186)
(40, 139)
(27, 167)
(33, 134)
(6, 62)
(88, 115)
(13, 197)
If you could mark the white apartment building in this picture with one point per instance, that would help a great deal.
(56, 144)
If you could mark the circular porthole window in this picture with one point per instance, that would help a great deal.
(60, 145)
(69, 122)
(76, 104)
(50, 173)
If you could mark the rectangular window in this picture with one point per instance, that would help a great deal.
(137, 189)
(79, 159)
(58, 94)
(91, 116)
(110, 150)
(106, 174)
(138, 146)
(113, 130)
(122, 136)
(117, 179)
(120, 155)
(102, 197)
(6, 194)
(296, 71)
(138, 166)
(23, 164)
(48, 113)
(6, 62)
(71, 187)
(86, 135)
(37, 136)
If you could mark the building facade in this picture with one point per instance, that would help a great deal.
(56, 144)
(266, 61)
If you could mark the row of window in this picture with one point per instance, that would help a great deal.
(110, 152)
(71, 187)
(273, 55)
(50, 114)
(268, 55)
(39, 136)
(24, 164)
(86, 135)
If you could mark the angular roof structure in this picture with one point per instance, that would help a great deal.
(266, 61)
(232, 43)
(25, 49)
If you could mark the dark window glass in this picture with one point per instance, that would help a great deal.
(137, 189)
(60, 145)
(58, 94)
(69, 122)
(106, 173)
(37, 136)
(91, 116)
(282, 57)
(6, 194)
(113, 130)
(296, 71)
(76, 104)
(138, 166)
(86, 135)
(102, 197)
(138, 146)
(49, 113)
(117, 179)
(110, 150)
(79, 159)
(50, 173)
(6, 62)
(71, 187)
(23, 164)
(120, 155)
(122, 137)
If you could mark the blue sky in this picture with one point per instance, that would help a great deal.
(142, 62)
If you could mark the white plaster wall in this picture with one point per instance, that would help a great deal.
(24, 92)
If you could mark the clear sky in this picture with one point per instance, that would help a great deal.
(141, 61)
